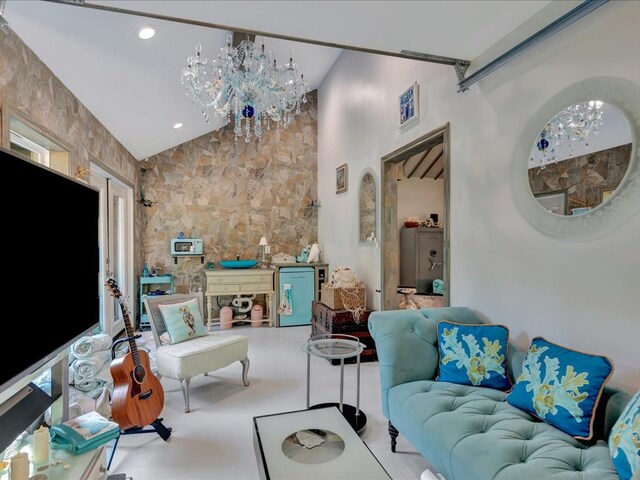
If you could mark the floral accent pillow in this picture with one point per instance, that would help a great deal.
(624, 441)
(561, 386)
(473, 354)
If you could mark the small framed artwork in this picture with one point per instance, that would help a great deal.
(605, 194)
(342, 173)
(554, 202)
(409, 105)
(580, 210)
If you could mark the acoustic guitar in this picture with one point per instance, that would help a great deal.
(138, 397)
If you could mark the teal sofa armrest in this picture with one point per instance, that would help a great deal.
(407, 344)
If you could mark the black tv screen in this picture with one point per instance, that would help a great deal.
(50, 286)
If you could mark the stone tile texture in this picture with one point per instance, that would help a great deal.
(231, 193)
(584, 177)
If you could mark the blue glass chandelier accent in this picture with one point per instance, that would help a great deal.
(570, 127)
(245, 83)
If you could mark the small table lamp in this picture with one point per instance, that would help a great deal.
(264, 244)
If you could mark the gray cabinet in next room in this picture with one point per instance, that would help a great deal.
(421, 257)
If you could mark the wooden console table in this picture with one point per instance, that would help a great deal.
(245, 282)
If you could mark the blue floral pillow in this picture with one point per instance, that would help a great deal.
(624, 441)
(474, 354)
(561, 386)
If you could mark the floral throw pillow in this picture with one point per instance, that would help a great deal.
(624, 441)
(561, 386)
(473, 354)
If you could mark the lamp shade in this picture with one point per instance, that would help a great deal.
(263, 242)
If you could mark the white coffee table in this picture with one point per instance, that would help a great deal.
(341, 455)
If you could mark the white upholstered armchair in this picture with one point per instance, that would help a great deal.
(200, 355)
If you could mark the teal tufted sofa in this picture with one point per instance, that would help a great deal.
(472, 433)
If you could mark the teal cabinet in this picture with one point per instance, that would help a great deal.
(153, 286)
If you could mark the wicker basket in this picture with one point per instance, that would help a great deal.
(334, 297)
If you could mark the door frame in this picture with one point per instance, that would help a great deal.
(129, 289)
(390, 244)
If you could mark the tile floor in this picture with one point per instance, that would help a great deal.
(215, 440)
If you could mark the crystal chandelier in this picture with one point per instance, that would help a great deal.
(571, 127)
(245, 83)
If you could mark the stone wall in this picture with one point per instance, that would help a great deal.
(34, 91)
(230, 194)
(583, 177)
(31, 89)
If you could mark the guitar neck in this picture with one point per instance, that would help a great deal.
(133, 346)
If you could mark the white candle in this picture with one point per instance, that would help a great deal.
(20, 466)
(41, 445)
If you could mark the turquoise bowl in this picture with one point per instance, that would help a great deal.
(238, 263)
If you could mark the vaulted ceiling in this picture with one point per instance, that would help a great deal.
(133, 86)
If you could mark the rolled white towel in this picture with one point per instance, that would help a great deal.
(93, 386)
(88, 345)
(89, 366)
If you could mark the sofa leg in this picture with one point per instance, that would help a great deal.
(185, 383)
(245, 371)
(393, 433)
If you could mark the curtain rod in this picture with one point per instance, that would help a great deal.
(567, 19)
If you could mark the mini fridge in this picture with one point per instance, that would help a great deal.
(296, 293)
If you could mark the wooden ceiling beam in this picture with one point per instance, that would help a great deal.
(419, 163)
(432, 164)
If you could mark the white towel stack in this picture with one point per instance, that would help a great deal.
(89, 371)
(88, 367)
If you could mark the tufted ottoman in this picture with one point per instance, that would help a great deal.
(472, 433)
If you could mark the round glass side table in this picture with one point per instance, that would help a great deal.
(334, 346)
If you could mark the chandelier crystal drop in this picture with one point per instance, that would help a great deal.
(247, 85)
(571, 127)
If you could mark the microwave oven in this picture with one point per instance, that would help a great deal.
(186, 246)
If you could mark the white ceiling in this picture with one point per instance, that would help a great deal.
(133, 86)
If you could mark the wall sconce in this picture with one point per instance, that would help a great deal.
(144, 201)
(265, 249)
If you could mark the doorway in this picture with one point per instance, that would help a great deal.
(116, 246)
(425, 158)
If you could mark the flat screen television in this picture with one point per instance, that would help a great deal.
(50, 291)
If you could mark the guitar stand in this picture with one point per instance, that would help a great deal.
(156, 426)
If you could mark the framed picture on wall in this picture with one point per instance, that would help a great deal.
(605, 193)
(342, 173)
(409, 105)
(580, 210)
(554, 202)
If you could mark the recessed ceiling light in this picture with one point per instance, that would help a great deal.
(145, 33)
(177, 125)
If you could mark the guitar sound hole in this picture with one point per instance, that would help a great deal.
(139, 374)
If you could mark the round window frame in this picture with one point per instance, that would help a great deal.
(625, 201)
